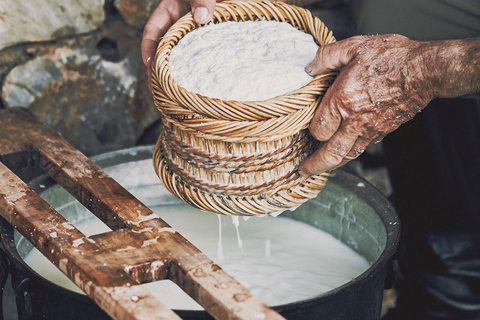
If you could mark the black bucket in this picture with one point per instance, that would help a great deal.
(348, 208)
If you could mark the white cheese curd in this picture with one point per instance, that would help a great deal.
(243, 61)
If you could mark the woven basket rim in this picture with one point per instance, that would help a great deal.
(204, 166)
(254, 9)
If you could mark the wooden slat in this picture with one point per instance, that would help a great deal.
(95, 270)
(108, 267)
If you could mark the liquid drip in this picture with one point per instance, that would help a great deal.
(220, 255)
(236, 223)
(268, 245)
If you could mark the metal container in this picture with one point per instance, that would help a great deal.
(348, 208)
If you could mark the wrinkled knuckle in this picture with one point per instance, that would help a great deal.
(332, 159)
(317, 127)
(358, 108)
(354, 153)
(340, 148)
(324, 57)
(309, 171)
(356, 53)
(320, 54)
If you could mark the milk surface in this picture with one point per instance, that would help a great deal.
(280, 260)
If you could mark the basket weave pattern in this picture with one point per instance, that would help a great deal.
(232, 157)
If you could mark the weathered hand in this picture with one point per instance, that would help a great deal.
(380, 86)
(166, 14)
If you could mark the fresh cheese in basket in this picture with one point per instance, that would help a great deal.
(243, 61)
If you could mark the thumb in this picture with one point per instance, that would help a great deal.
(333, 56)
(202, 10)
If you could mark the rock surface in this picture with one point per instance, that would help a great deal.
(87, 89)
(136, 12)
(47, 19)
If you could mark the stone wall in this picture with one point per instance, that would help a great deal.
(77, 66)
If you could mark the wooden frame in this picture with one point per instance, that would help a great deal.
(108, 267)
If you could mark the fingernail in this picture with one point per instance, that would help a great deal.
(201, 14)
(147, 61)
(309, 68)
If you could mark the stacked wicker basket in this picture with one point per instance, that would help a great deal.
(230, 157)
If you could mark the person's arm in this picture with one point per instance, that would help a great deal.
(453, 67)
(383, 82)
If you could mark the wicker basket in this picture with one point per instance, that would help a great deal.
(231, 157)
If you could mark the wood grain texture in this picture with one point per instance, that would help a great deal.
(108, 267)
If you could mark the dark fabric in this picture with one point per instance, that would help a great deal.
(434, 163)
(444, 283)
(434, 166)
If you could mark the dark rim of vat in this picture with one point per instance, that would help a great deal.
(369, 194)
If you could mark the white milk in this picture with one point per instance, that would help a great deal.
(280, 260)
